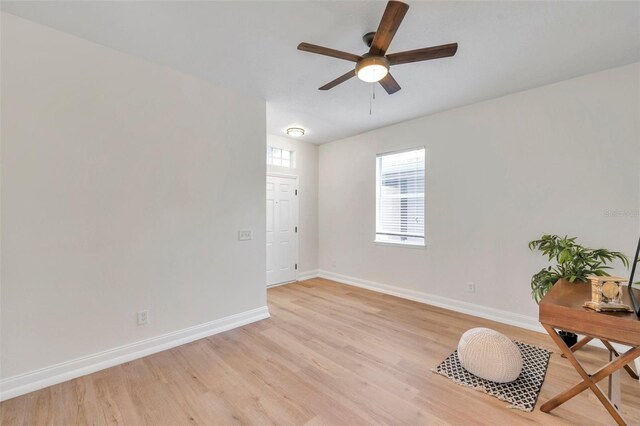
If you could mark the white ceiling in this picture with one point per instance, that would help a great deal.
(504, 47)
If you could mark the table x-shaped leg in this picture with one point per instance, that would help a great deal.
(628, 368)
(611, 349)
(580, 344)
(588, 381)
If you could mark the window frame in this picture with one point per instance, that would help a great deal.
(424, 200)
(281, 157)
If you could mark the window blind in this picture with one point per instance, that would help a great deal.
(400, 197)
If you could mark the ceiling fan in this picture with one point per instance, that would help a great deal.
(374, 66)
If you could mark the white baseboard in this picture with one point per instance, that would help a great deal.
(307, 275)
(34, 380)
(280, 284)
(498, 315)
(505, 317)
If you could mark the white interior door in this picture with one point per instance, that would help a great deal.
(282, 213)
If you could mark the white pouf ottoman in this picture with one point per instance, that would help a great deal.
(490, 355)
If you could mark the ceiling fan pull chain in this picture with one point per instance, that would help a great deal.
(372, 98)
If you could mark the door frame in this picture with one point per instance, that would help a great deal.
(296, 208)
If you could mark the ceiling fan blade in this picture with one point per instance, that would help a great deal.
(389, 24)
(424, 54)
(338, 80)
(307, 47)
(390, 84)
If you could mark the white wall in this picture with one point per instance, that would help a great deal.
(499, 174)
(124, 184)
(306, 168)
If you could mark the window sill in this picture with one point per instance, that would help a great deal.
(401, 245)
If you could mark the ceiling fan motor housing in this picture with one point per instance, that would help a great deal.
(368, 60)
(368, 38)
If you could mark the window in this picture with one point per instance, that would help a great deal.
(279, 157)
(400, 197)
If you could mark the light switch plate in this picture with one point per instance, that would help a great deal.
(245, 234)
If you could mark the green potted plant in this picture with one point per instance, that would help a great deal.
(573, 263)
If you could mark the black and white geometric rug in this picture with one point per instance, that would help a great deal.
(522, 393)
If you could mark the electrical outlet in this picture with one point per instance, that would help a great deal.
(143, 317)
(471, 287)
(245, 234)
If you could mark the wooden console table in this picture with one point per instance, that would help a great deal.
(561, 308)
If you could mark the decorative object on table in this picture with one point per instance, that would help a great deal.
(522, 393)
(490, 355)
(574, 263)
(606, 294)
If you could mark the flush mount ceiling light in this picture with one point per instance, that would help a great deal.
(295, 131)
(372, 68)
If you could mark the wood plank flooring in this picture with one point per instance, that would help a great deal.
(329, 355)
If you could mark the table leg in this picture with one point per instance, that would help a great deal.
(579, 344)
(587, 380)
(613, 350)
(614, 383)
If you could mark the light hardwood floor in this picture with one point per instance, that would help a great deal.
(329, 355)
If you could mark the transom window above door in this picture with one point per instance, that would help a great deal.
(279, 157)
(400, 197)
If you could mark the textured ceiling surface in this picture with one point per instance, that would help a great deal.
(504, 47)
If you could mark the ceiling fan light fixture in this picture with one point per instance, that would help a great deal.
(295, 131)
(372, 68)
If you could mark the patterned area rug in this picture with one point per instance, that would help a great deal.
(522, 393)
